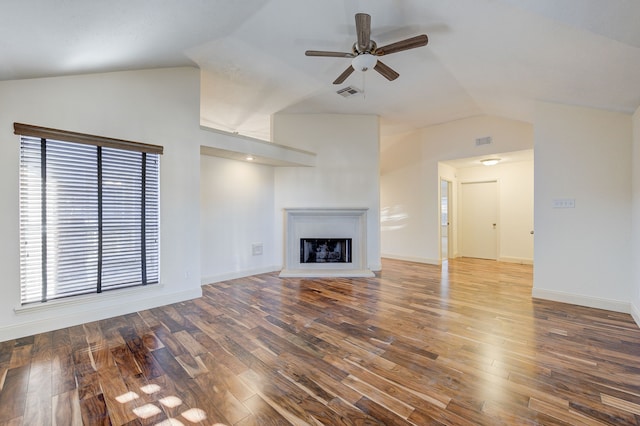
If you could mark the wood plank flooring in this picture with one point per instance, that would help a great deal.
(462, 344)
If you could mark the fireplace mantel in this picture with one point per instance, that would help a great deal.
(303, 223)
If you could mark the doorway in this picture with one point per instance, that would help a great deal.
(479, 219)
(445, 220)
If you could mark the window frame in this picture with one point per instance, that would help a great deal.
(68, 137)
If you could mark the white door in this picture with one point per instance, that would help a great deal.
(479, 216)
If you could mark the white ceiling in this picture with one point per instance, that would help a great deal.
(484, 56)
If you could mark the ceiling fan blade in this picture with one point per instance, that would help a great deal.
(363, 30)
(399, 46)
(386, 72)
(328, 54)
(342, 77)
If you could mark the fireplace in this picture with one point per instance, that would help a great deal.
(325, 242)
(325, 250)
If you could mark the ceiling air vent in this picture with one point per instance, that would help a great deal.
(349, 91)
(483, 141)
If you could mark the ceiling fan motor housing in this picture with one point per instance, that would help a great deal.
(371, 48)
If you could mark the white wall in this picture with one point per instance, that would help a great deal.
(236, 210)
(154, 106)
(410, 183)
(515, 206)
(346, 172)
(635, 233)
(582, 254)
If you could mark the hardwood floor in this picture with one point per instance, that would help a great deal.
(463, 344)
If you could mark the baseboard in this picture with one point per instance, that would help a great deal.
(412, 259)
(577, 299)
(238, 274)
(50, 318)
(635, 313)
(520, 260)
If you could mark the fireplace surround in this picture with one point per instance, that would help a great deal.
(336, 239)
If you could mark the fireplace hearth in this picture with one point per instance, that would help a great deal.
(325, 250)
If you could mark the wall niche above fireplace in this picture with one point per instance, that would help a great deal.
(325, 242)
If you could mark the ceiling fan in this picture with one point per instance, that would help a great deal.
(364, 53)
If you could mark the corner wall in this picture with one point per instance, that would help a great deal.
(153, 106)
(236, 211)
(582, 254)
(410, 184)
(635, 226)
(515, 206)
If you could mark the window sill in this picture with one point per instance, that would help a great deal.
(84, 299)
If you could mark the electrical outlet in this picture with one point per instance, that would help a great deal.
(256, 249)
(564, 203)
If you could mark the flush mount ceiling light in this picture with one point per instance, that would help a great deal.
(364, 62)
(490, 161)
(249, 158)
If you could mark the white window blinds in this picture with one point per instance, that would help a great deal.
(89, 218)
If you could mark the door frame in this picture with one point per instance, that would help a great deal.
(450, 237)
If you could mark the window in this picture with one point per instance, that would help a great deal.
(89, 213)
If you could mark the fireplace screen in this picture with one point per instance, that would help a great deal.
(323, 250)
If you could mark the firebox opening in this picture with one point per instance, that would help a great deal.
(325, 250)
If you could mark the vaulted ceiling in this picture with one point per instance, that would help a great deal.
(484, 56)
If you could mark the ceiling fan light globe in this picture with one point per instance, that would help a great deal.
(364, 62)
